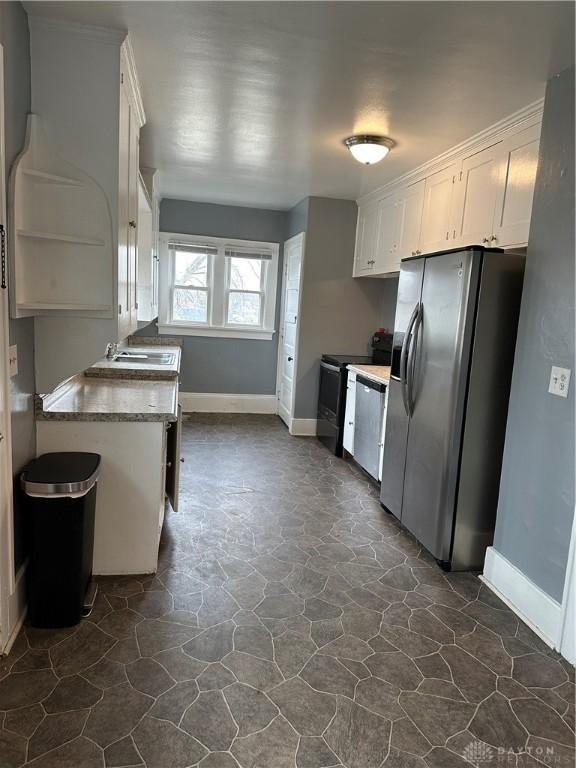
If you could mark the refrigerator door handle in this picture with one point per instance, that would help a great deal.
(404, 359)
(410, 362)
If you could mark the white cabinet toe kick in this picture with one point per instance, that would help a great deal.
(139, 470)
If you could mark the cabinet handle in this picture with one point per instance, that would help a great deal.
(3, 255)
(485, 240)
(290, 359)
(132, 223)
(350, 423)
(492, 238)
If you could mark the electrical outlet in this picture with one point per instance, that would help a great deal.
(13, 360)
(559, 381)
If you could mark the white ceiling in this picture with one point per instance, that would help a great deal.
(248, 102)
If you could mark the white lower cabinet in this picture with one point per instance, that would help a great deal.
(348, 438)
(131, 493)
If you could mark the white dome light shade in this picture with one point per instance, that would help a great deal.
(369, 150)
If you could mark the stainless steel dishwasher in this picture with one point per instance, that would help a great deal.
(370, 403)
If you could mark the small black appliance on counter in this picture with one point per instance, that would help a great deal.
(382, 347)
(333, 384)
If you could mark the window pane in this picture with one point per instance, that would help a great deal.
(244, 308)
(245, 274)
(190, 305)
(191, 269)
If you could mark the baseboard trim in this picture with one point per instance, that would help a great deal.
(216, 402)
(303, 427)
(14, 634)
(537, 609)
(17, 609)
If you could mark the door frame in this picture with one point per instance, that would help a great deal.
(300, 237)
(7, 575)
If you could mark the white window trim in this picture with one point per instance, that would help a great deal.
(165, 323)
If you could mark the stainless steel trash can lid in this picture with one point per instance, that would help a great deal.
(61, 474)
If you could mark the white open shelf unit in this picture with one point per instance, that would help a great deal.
(62, 245)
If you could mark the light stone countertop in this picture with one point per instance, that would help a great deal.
(94, 399)
(142, 369)
(379, 373)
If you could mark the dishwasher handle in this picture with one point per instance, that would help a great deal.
(378, 386)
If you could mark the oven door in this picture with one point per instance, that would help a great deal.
(331, 404)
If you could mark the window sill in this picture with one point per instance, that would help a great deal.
(173, 329)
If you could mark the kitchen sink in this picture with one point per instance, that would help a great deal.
(150, 358)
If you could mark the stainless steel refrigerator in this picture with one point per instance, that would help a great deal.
(453, 352)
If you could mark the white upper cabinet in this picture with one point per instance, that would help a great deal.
(476, 198)
(87, 99)
(147, 248)
(482, 195)
(388, 231)
(438, 210)
(410, 206)
(387, 242)
(367, 239)
(518, 160)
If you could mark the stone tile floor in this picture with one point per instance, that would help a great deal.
(292, 623)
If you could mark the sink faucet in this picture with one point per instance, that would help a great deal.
(111, 350)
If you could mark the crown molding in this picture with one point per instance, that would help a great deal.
(524, 117)
(101, 34)
(134, 83)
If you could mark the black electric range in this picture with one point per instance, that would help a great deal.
(332, 398)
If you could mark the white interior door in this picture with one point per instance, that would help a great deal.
(6, 528)
(288, 342)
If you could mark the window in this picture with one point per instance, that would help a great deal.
(217, 287)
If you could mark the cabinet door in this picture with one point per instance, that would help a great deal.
(368, 225)
(383, 436)
(477, 188)
(518, 162)
(367, 239)
(133, 222)
(437, 214)
(410, 205)
(124, 235)
(155, 254)
(173, 446)
(348, 437)
(387, 250)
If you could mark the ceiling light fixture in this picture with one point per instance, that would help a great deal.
(369, 149)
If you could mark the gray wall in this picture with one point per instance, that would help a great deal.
(389, 293)
(536, 507)
(338, 314)
(15, 39)
(237, 366)
(297, 218)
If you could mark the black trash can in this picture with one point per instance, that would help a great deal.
(60, 501)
